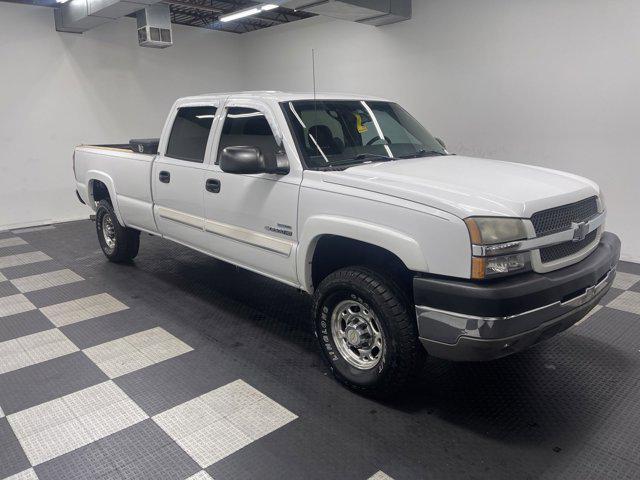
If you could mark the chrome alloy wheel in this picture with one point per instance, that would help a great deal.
(357, 334)
(109, 232)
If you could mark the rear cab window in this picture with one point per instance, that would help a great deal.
(190, 133)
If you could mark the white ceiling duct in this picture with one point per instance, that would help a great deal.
(371, 12)
(78, 16)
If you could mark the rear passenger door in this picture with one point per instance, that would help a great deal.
(178, 174)
(252, 219)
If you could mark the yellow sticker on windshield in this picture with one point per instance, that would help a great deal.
(361, 128)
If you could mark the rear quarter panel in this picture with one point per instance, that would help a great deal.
(127, 176)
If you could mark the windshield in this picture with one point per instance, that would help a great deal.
(341, 132)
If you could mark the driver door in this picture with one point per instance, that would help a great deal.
(251, 219)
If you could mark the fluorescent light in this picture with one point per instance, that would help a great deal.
(246, 13)
(205, 116)
(61, 1)
(241, 14)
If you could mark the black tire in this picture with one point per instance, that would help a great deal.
(402, 352)
(127, 240)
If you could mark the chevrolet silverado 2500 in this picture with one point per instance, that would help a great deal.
(405, 248)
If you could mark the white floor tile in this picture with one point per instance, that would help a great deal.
(213, 442)
(627, 301)
(24, 475)
(23, 259)
(380, 475)
(32, 349)
(112, 418)
(231, 397)
(59, 426)
(186, 418)
(82, 309)
(11, 242)
(14, 304)
(625, 281)
(261, 418)
(41, 281)
(201, 475)
(54, 441)
(220, 422)
(40, 417)
(94, 398)
(137, 351)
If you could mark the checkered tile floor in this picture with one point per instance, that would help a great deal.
(68, 431)
(183, 367)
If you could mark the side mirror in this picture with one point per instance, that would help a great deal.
(441, 143)
(248, 160)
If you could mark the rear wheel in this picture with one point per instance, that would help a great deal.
(118, 243)
(367, 335)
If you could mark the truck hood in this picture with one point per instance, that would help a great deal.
(467, 186)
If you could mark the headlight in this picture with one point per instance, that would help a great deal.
(494, 231)
(603, 205)
(490, 230)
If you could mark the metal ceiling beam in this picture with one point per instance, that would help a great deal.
(196, 6)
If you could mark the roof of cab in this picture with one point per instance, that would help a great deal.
(278, 96)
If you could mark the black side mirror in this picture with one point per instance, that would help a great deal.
(248, 160)
(441, 143)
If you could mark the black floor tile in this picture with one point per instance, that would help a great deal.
(22, 324)
(12, 457)
(45, 381)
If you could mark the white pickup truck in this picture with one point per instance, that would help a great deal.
(405, 247)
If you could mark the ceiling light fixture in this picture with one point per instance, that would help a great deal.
(248, 12)
(61, 1)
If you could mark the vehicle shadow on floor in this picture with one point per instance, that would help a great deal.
(557, 390)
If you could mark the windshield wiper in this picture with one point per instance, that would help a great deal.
(423, 153)
(362, 157)
(368, 156)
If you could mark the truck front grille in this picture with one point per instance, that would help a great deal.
(557, 219)
(555, 252)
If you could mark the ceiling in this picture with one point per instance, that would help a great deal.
(205, 14)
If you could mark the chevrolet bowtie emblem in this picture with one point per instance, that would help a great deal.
(580, 231)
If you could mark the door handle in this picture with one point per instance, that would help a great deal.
(212, 185)
(165, 177)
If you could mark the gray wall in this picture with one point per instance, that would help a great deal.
(58, 90)
(548, 82)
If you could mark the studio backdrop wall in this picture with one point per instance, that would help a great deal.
(58, 90)
(554, 83)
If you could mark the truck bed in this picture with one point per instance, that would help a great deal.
(148, 146)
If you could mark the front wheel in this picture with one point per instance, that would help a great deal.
(367, 335)
(119, 244)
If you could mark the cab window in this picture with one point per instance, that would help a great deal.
(190, 132)
(247, 127)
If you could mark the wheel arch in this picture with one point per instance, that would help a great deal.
(331, 242)
(98, 181)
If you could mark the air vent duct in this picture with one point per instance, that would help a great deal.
(154, 26)
(371, 12)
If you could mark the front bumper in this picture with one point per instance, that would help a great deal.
(473, 321)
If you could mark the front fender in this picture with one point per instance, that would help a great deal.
(404, 247)
(93, 175)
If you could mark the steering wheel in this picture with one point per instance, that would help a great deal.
(375, 139)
